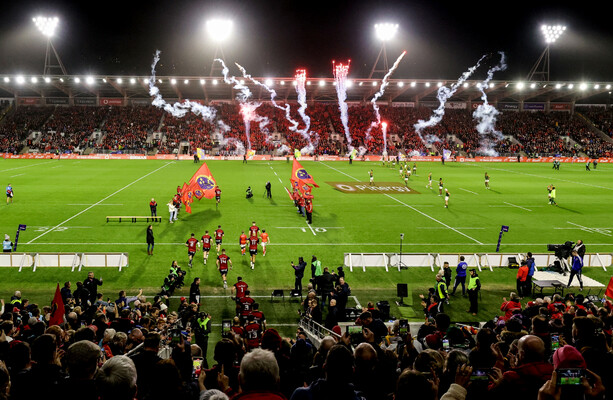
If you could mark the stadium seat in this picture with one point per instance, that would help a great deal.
(277, 293)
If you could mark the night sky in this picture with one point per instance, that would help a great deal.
(273, 38)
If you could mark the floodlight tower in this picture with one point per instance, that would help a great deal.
(219, 30)
(47, 27)
(540, 70)
(384, 32)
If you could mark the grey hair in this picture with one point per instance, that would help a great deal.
(259, 371)
(116, 379)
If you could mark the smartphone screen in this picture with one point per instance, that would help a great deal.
(403, 326)
(555, 342)
(197, 365)
(351, 329)
(570, 376)
(480, 375)
(226, 326)
(445, 344)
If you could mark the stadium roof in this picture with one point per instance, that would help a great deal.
(358, 90)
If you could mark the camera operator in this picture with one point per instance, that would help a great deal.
(202, 329)
(580, 248)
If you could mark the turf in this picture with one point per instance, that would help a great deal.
(64, 204)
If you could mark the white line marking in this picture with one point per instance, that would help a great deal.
(25, 166)
(95, 204)
(514, 205)
(299, 227)
(89, 204)
(17, 175)
(400, 205)
(590, 230)
(311, 228)
(442, 227)
(469, 191)
(412, 208)
(541, 176)
(307, 244)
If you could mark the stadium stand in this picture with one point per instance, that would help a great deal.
(146, 129)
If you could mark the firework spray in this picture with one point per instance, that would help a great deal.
(376, 97)
(340, 76)
(247, 110)
(486, 114)
(301, 92)
(444, 94)
(273, 95)
(177, 110)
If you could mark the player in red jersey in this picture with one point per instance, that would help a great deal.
(258, 316)
(242, 240)
(206, 246)
(237, 328)
(217, 196)
(218, 237)
(253, 333)
(192, 244)
(253, 229)
(253, 249)
(240, 288)
(238, 292)
(223, 265)
(246, 304)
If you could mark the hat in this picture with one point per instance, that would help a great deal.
(271, 340)
(7, 237)
(182, 299)
(337, 329)
(568, 357)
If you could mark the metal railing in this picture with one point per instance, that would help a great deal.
(315, 331)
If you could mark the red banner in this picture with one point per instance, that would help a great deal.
(106, 101)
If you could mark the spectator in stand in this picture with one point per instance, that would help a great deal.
(510, 306)
(259, 376)
(116, 379)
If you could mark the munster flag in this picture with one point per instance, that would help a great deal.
(300, 175)
(57, 308)
(204, 181)
(609, 292)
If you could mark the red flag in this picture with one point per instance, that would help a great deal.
(203, 180)
(609, 292)
(57, 308)
(299, 174)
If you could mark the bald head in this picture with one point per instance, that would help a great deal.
(530, 349)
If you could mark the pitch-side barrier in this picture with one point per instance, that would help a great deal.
(74, 261)
(474, 260)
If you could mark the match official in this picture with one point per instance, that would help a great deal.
(474, 285)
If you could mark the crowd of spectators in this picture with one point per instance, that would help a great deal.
(148, 129)
(132, 348)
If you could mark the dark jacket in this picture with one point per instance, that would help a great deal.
(323, 390)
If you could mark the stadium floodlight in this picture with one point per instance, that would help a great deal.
(47, 79)
(219, 31)
(322, 83)
(202, 81)
(119, 81)
(282, 83)
(268, 82)
(173, 81)
(583, 86)
(34, 79)
(384, 32)
(540, 70)
(77, 80)
(552, 33)
(7, 79)
(132, 81)
(20, 80)
(48, 26)
(89, 80)
(400, 84)
(186, 81)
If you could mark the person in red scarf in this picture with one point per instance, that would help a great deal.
(510, 306)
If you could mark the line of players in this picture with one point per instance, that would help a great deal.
(249, 322)
(223, 262)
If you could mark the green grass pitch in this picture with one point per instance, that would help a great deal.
(64, 204)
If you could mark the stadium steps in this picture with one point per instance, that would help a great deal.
(597, 131)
